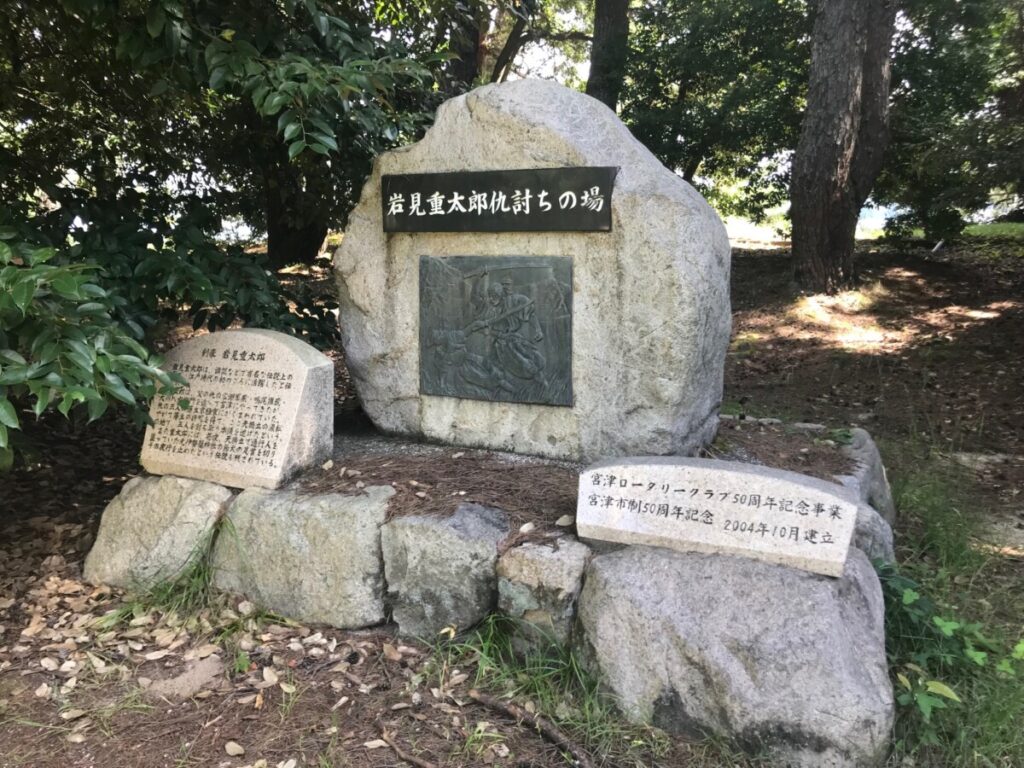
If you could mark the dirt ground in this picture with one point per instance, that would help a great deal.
(928, 354)
(929, 350)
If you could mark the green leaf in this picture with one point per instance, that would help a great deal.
(295, 149)
(910, 596)
(117, 389)
(1005, 666)
(947, 627)
(293, 130)
(926, 704)
(327, 140)
(67, 286)
(934, 686)
(96, 408)
(6, 254)
(42, 400)
(92, 308)
(320, 149)
(155, 20)
(8, 416)
(978, 657)
(218, 77)
(40, 255)
(3, 436)
(259, 95)
(22, 295)
(321, 22)
(6, 459)
(275, 102)
(285, 118)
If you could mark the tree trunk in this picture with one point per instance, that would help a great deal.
(293, 243)
(608, 50)
(517, 38)
(843, 137)
(297, 219)
(466, 43)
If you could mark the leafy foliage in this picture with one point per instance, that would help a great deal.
(61, 342)
(923, 645)
(958, 114)
(130, 132)
(716, 90)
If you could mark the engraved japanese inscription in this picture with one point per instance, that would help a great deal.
(259, 408)
(497, 328)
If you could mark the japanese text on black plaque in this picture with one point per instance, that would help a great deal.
(534, 200)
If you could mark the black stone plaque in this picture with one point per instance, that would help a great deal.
(497, 328)
(533, 200)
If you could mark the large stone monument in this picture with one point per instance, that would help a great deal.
(528, 277)
(259, 406)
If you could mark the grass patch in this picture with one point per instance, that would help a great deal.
(996, 229)
(556, 686)
(932, 497)
(957, 673)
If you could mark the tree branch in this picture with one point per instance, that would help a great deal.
(546, 729)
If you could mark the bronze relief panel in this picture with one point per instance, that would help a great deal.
(497, 328)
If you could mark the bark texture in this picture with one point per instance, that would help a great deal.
(608, 50)
(296, 220)
(843, 138)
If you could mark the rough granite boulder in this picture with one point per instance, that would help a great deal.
(784, 663)
(873, 535)
(310, 558)
(537, 586)
(868, 479)
(651, 313)
(441, 571)
(154, 529)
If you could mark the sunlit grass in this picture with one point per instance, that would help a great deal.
(997, 229)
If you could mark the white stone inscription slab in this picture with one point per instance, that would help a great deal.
(260, 407)
(704, 505)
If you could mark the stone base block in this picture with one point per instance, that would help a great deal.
(440, 571)
(154, 529)
(311, 558)
(784, 663)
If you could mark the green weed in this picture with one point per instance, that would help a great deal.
(956, 678)
(185, 595)
(557, 687)
(933, 499)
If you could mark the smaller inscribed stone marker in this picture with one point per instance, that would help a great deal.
(261, 408)
(704, 505)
